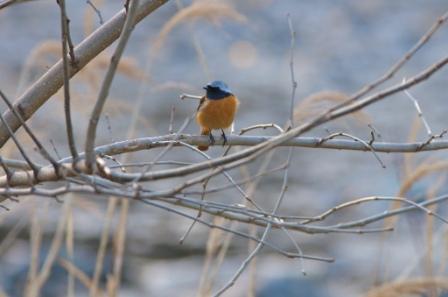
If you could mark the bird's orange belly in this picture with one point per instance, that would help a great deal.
(217, 114)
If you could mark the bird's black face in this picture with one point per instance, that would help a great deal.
(217, 90)
(213, 93)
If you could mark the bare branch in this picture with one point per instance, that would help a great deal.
(170, 127)
(49, 83)
(35, 168)
(259, 246)
(241, 234)
(139, 144)
(419, 111)
(231, 213)
(128, 26)
(7, 3)
(367, 145)
(188, 96)
(66, 39)
(395, 68)
(41, 148)
(96, 10)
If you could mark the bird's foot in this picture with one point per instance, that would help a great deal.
(212, 139)
(223, 137)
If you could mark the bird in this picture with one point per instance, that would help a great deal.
(216, 110)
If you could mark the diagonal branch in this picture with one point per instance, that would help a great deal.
(397, 66)
(49, 83)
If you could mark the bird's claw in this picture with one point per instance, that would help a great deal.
(212, 139)
(223, 137)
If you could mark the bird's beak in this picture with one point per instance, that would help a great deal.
(205, 87)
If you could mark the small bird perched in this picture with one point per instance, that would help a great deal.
(216, 110)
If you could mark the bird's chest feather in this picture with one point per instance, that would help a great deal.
(217, 114)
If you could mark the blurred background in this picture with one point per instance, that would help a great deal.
(340, 46)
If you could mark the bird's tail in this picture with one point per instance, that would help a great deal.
(204, 131)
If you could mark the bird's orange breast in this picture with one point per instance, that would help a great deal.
(217, 114)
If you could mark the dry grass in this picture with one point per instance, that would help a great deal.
(421, 171)
(316, 103)
(409, 288)
(174, 86)
(212, 11)
(90, 17)
(414, 172)
(79, 275)
(218, 242)
(35, 285)
(46, 53)
(101, 252)
(84, 87)
(431, 193)
(49, 51)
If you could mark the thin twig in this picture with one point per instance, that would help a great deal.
(6, 169)
(238, 233)
(66, 40)
(367, 145)
(240, 182)
(396, 67)
(41, 148)
(431, 138)
(234, 214)
(419, 110)
(7, 3)
(128, 26)
(261, 126)
(228, 176)
(34, 167)
(259, 246)
(189, 96)
(171, 124)
(386, 214)
(96, 10)
(142, 164)
(55, 150)
(170, 145)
